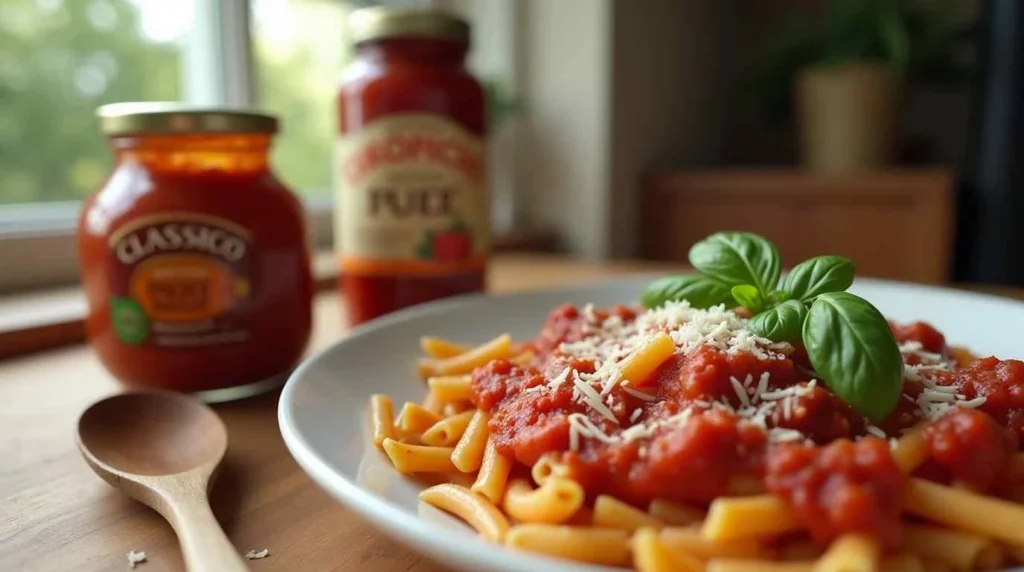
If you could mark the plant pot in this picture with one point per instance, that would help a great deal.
(847, 117)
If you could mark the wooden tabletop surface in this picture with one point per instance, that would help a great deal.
(55, 514)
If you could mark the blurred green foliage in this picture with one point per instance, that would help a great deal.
(61, 59)
(58, 62)
(922, 41)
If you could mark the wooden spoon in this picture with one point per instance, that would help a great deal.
(163, 449)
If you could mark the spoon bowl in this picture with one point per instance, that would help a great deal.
(149, 433)
(163, 449)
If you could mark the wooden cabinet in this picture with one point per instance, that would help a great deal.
(895, 224)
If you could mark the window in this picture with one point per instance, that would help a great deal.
(300, 48)
(59, 60)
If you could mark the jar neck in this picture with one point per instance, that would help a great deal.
(191, 154)
(415, 51)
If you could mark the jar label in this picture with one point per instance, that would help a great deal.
(411, 196)
(177, 278)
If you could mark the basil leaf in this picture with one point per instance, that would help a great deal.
(736, 258)
(851, 347)
(748, 296)
(818, 275)
(783, 323)
(700, 291)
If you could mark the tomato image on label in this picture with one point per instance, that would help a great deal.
(455, 243)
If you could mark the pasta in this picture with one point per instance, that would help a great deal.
(564, 413)
(613, 513)
(493, 477)
(554, 502)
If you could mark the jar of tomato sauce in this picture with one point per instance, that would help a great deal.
(193, 255)
(412, 222)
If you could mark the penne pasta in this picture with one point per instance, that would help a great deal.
(612, 513)
(760, 516)
(690, 541)
(555, 502)
(606, 546)
(450, 388)
(440, 348)
(638, 366)
(850, 553)
(381, 414)
(448, 431)
(476, 510)
(467, 361)
(911, 450)
(547, 466)
(650, 555)
(675, 514)
(432, 404)
(972, 512)
(523, 358)
(958, 549)
(409, 459)
(414, 419)
(493, 476)
(468, 454)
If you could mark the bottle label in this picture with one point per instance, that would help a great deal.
(179, 280)
(411, 196)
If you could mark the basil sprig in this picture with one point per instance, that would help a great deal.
(848, 340)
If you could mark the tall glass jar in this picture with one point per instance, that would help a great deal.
(194, 256)
(412, 222)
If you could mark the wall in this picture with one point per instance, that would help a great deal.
(672, 64)
(566, 136)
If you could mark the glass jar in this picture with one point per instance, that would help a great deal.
(194, 257)
(413, 222)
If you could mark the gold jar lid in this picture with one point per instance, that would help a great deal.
(172, 118)
(380, 22)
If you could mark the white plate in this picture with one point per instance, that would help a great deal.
(323, 409)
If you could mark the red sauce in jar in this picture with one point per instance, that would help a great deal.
(411, 176)
(194, 256)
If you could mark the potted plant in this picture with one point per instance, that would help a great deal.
(844, 72)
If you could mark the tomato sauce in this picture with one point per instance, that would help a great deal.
(411, 173)
(194, 255)
(840, 488)
(837, 478)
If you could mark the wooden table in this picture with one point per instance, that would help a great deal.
(55, 514)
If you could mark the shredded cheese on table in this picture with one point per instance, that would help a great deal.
(135, 558)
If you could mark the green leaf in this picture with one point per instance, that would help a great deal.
(700, 291)
(735, 258)
(783, 323)
(851, 347)
(129, 321)
(748, 296)
(817, 276)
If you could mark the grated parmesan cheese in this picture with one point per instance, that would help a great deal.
(135, 558)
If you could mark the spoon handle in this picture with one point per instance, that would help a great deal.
(204, 545)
